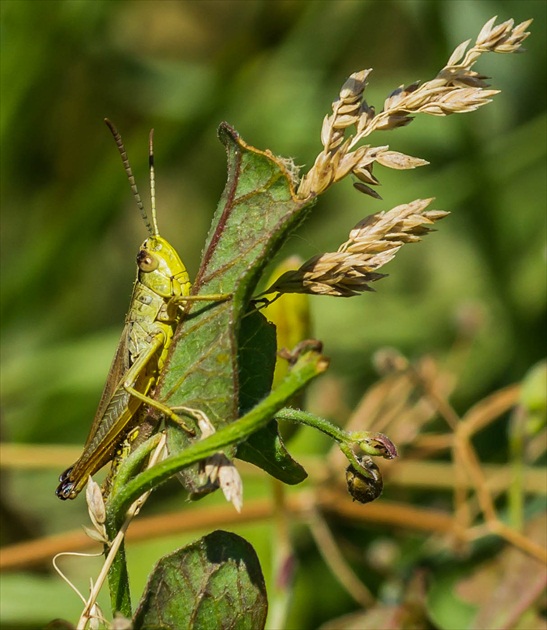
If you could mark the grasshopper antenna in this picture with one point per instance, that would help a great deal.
(152, 227)
(152, 181)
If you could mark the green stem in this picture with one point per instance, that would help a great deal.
(309, 419)
(133, 462)
(321, 424)
(118, 576)
(308, 366)
(118, 584)
(369, 443)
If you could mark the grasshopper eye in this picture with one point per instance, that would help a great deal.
(146, 261)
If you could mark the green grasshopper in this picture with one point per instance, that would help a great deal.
(161, 287)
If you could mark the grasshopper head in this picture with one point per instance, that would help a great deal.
(161, 269)
(159, 266)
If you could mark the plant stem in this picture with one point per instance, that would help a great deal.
(307, 367)
(309, 419)
(368, 442)
(116, 565)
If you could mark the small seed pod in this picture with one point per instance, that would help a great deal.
(364, 488)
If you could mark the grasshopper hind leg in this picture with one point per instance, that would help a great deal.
(205, 425)
(164, 409)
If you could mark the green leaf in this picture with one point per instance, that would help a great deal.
(266, 450)
(257, 210)
(256, 362)
(256, 359)
(215, 582)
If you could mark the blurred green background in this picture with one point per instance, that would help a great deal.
(70, 228)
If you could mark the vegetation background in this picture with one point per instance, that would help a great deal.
(70, 228)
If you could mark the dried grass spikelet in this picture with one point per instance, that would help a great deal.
(97, 512)
(456, 89)
(372, 243)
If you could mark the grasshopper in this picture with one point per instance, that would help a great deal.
(161, 289)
